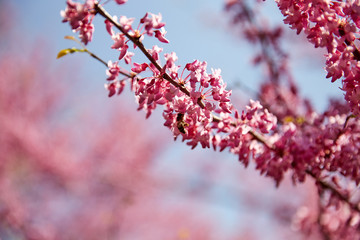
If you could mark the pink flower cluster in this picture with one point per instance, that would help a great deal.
(150, 24)
(114, 85)
(189, 105)
(304, 142)
(332, 25)
(80, 17)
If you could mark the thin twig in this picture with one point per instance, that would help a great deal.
(129, 75)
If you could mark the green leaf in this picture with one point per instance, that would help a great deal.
(67, 51)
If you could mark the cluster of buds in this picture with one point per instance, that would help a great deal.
(80, 18)
(332, 25)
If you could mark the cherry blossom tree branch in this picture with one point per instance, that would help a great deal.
(257, 136)
(278, 147)
(136, 40)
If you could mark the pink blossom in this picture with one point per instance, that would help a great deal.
(120, 44)
(123, 51)
(86, 32)
(119, 41)
(128, 56)
(108, 26)
(80, 18)
(111, 88)
(126, 23)
(113, 70)
(160, 34)
(171, 58)
(138, 68)
(155, 52)
(121, 1)
(150, 22)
